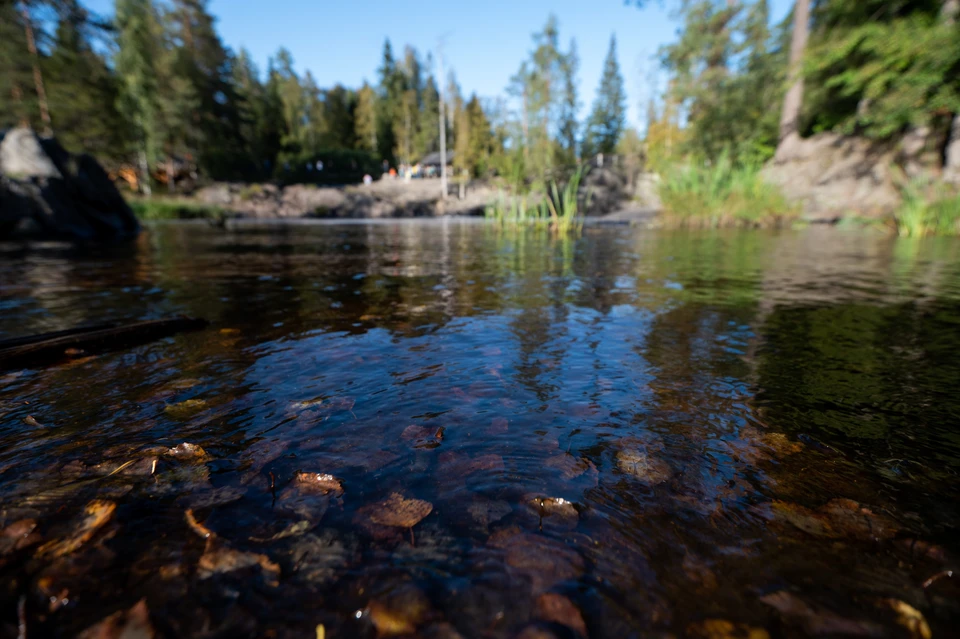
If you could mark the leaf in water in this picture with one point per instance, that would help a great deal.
(186, 409)
(423, 436)
(126, 624)
(218, 558)
(321, 632)
(817, 621)
(293, 530)
(723, 629)
(400, 512)
(558, 609)
(642, 466)
(910, 618)
(399, 611)
(319, 483)
(197, 527)
(553, 507)
(188, 452)
(30, 421)
(96, 514)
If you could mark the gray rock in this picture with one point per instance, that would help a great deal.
(45, 190)
(951, 168)
(833, 175)
(22, 156)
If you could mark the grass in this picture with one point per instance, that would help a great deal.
(173, 209)
(927, 210)
(557, 209)
(723, 194)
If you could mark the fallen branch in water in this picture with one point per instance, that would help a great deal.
(38, 350)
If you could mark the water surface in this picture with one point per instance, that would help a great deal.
(627, 434)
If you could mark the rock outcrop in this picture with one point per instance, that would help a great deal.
(46, 191)
(833, 175)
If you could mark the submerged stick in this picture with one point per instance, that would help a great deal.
(52, 347)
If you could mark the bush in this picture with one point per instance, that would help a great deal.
(723, 194)
(927, 210)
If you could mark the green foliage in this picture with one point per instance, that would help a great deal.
(728, 72)
(723, 193)
(928, 210)
(881, 75)
(558, 209)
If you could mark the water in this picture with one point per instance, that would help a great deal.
(630, 434)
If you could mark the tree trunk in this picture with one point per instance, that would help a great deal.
(951, 164)
(790, 119)
(171, 179)
(37, 76)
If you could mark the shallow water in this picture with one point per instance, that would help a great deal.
(630, 434)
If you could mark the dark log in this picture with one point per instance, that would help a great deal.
(38, 350)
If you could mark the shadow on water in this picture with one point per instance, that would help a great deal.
(439, 430)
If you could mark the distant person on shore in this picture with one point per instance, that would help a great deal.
(368, 179)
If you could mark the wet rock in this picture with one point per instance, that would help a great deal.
(126, 624)
(831, 175)
(186, 409)
(643, 466)
(188, 452)
(17, 536)
(571, 467)
(423, 436)
(556, 608)
(818, 621)
(213, 498)
(544, 562)
(95, 515)
(218, 558)
(318, 558)
(839, 518)
(453, 465)
(486, 512)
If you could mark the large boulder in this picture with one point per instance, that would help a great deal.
(44, 190)
(833, 175)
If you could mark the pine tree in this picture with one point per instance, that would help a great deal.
(428, 130)
(570, 105)
(608, 119)
(340, 106)
(365, 118)
(390, 90)
(139, 45)
(82, 91)
(17, 100)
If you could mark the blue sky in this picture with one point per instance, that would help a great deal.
(340, 41)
